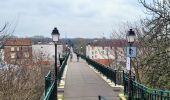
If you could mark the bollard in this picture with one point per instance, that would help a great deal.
(99, 97)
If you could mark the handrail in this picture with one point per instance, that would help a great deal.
(50, 84)
(49, 92)
(60, 74)
(139, 91)
(108, 72)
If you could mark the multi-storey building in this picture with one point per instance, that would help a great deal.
(18, 51)
(46, 51)
(107, 52)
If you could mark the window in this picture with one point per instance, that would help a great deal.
(26, 54)
(12, 48)
(25, 48)
(18, 56)
(17, 48)
(92, 52)
(13, 55)
(96, 56)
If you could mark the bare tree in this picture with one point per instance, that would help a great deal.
(23, 82)
(152, 64)
(120, 34)
(156, 35)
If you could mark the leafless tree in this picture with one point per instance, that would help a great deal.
(152, 64)
(23, 82)
(156, 35)
(120, 34)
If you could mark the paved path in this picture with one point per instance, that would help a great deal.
(82, 83)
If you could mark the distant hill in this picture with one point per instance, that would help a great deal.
(75, 42)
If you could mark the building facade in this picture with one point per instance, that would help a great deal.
(46, 51)
(107, 52)
(18, 51)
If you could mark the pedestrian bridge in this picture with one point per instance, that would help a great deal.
(88, 80)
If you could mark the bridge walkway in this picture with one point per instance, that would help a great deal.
(82, 83)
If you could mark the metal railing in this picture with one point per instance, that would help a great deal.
(62, 67)
(139, 91)
(50, 83)
(114, 75)
(49, 87)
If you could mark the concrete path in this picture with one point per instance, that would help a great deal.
(82, 83)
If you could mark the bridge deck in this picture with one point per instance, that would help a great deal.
(82, 83)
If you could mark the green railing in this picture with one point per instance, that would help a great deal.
(62, 67)
(50, 83)
(49, 87)
(106, 71)
(139, 91)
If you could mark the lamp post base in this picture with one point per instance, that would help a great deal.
(129, 98)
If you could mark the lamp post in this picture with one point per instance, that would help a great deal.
(55, 36)
(130, 38)
(66, 48)
(81, 50)
(87, 51)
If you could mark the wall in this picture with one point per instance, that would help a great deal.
(106, 55)
(98, 52)
(46, 51)
(19, 55)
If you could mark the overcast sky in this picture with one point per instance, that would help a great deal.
(73, 18)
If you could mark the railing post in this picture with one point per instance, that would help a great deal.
(46, 85)
(124, 83)
(99, 97)
(143, 92)
(161, 95)
(115, 77)
(47, 82)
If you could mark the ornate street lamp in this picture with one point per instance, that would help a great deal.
(55, 36)
(130, 38)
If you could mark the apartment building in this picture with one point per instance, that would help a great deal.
(18, 51)
(107, 52)
(46, 51)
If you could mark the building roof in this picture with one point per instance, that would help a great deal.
(109, 43)
(47, 43)
(106, 62)
(18, 42)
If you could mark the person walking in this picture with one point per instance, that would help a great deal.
(78, 57)
(71, 56)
